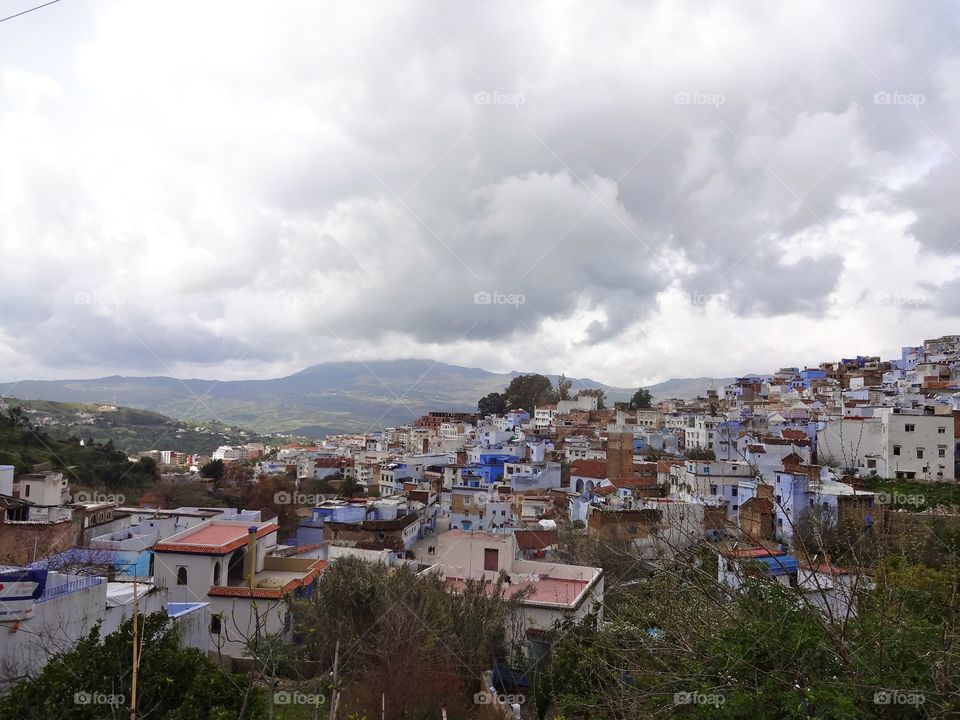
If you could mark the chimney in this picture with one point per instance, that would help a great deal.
(251, 554)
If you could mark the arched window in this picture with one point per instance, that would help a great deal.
(181, 576)
(216, 573)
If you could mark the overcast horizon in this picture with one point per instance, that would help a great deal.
(623, 192)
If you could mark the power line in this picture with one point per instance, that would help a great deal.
(11, 17)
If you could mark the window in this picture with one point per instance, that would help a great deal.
(491, 557)
(733, 490)
(735, 507)
(896, 449)
(215, 625)
(909, 427)
(779, 500)
(216, 573)
(919, 453)
(26, 490)
(941, 452)
(941, 430)
(871, 463)
(713, 489)
(181, 575)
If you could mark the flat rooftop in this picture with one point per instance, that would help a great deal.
(546, 590)
(214, 539)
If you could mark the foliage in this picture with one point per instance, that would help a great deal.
(699, 453)
(914, 496)
(213, 469)
(641, 399)
(493, 404)
(350, 487)
(90, 464)
(563, 388)
(272, 495)
(173, 683)
(762, 651)
(189, 494)
(395, 621)
(528, 391)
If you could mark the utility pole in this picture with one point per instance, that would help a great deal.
(136, 656)
(335, 699)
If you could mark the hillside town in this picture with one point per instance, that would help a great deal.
(735, 476)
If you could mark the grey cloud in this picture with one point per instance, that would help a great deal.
(338, 179)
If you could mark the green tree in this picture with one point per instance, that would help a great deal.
(563, 387)
(214, 469)
(174, 683)
(493, 404)
(641, 399)
(527, 391)
(350, 487)
(699, 453)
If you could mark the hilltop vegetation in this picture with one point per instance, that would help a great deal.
(129, 429)
(24, 446)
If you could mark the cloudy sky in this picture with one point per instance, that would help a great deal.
(626, 191)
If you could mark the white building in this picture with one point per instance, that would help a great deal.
(232, 565)
(555, 591)
(891, 443)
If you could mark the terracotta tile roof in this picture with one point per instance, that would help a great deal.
(793, 434)
(535, 539)
(632, 482)
(307, 548)
(204, 549)
(589, 468)
(242, 591)
(753, 553)
(826, 568)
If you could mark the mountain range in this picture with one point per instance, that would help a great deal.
(322, 399)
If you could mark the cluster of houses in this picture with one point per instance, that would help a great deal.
(467, 497)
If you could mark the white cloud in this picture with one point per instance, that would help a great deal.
(266, 189)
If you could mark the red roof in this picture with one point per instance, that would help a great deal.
(753, 553)
(826, 568)
(596, 469)
(793, 434)
(632, 482)
(535, 539)
(242, 591)
(213, 539)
